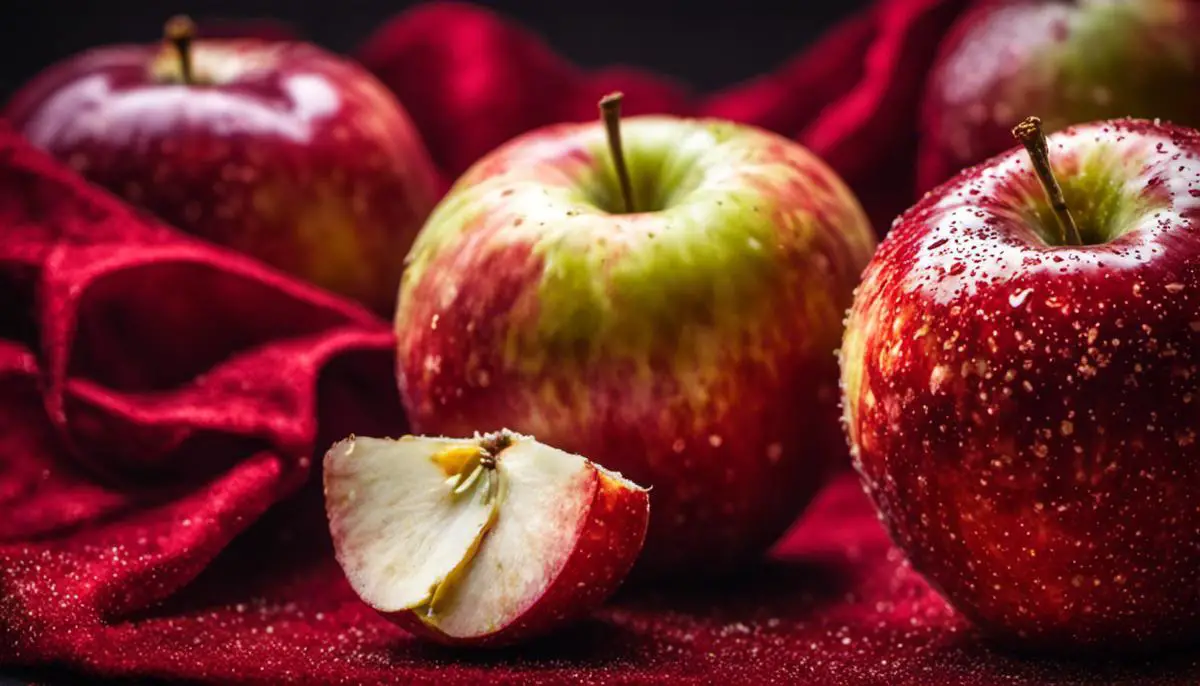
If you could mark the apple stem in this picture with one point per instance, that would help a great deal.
(610, 114)
(180, 31)
(1030, 133)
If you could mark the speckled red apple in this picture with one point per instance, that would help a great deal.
(277, 149)
(681, 330)
(485, 541)
(1024, 410)
(1070, 62)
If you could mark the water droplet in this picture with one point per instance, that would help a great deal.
(774, 452)
(1017, 299)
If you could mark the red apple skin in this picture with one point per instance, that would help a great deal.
(605, 551)
(728, 475)
(287, 152)
(1025, 416)
(1068, 62)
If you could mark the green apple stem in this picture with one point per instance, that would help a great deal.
(610, 113)
(180, 31)
(1030, 133)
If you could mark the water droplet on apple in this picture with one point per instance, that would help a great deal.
(433, 364)
(774, 452)
(1185, 437)
(1017, 299)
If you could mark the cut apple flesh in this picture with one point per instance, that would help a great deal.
(466, 534)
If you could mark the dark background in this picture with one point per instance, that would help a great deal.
(706, 43)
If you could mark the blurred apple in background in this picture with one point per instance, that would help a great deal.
(670, 311)
(277, 149)
(1022, 390)
(1070, 62)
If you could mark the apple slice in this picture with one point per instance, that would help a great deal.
(483, 541)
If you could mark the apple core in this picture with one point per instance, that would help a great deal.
(482, 540)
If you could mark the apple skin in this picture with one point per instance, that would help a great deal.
(1024, 415)
(689, 346)
(607, 547)
(1067, 62)
(285, 152)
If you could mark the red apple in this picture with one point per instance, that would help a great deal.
(484, 541)
(670, 311)
(1071, 62)
(277, 149)
(1023, 398)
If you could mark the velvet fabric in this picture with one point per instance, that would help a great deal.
(164, 405)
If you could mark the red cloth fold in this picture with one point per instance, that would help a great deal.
(853, 99)
(471, 80)
(163, 403)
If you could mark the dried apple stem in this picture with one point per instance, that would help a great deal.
(495, 443)
(1030, 133)
(610, 114)
(179, 32)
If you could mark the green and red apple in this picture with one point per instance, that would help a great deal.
(662, 295)
(1071, 62)
(1022, 388)
(277, 149)
(485, 541)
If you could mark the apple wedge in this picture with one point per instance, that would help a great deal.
(482, 541)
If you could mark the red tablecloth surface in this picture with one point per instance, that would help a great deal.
(163, 404)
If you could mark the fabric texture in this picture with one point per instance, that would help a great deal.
(164, 404)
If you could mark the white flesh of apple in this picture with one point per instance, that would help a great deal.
(465, 562)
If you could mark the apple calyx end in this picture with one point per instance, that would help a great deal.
(1030, 133)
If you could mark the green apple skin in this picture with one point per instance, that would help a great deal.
(1066, 62)
(688, 344)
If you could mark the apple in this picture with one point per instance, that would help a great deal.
(277, 149)
(1071, 62)
(1022, 391)
(490, 540)
(663, 295)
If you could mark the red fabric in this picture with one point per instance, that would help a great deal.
(162, 402)
(853, 99)
(471, 81)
